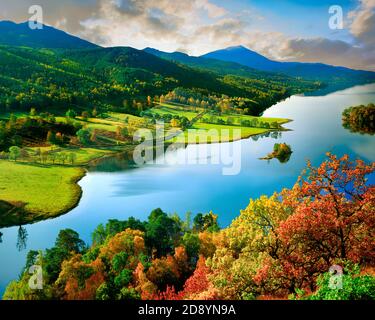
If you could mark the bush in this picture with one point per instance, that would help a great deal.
(354, 287)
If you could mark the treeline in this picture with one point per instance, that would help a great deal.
(35, 130)
(280, 246)
(360, 119)
(253, 102)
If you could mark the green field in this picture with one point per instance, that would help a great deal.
(33, 192)
(168, 109)
(212, 133)
(237, 119)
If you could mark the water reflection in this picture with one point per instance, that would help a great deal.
(21, 238)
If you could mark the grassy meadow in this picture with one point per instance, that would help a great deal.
(37, 192)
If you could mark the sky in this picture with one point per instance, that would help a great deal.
(284, 30)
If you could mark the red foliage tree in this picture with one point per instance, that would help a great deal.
(333, 220)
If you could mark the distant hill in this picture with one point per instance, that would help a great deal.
(227, 69)
(214, 65)
(245, 57)
(19, 34)
(126, 64)
(51, 70)
(315, 71)
(93, 77)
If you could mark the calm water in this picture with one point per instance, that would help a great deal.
(201, 188)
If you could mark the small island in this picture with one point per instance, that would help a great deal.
(360, 119)
(281, 151)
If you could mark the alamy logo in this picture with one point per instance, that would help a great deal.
(335, 281)
(36, 20)
(36, 280)
(336, 21)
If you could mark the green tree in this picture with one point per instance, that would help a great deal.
(33, 112)
(84, 136)
(51, 137)
(160, 232)
(72, 157)
(71, 114)
(85, 115)
(14, 153)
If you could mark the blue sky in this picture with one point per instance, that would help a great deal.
(286, 30)
(294, 17)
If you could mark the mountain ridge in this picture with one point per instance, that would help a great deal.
(19, 34)
(252, 59)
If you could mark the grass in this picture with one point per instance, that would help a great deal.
(181, 107)
(34, 192)
(212, 133)
(85, 155)
(238, 118)
(164, 109)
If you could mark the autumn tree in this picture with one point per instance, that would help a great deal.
(333, 219)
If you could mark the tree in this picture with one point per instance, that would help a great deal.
(85, 115)
(14, 152)
(51, 137)
(52, 157)
(202, 222)
(333, 220)
(68, 240)
(33, 112)
(71, 114)
(192, 244)
(163, 272)
(72, 157)
(62, 157)
(94, 113)
(59, 138)
(94, 136)
(83, 136)
(161, 231)
(124, 132)
(198, 287)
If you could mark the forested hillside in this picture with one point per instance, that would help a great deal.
(111, 78)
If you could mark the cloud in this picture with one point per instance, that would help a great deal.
(200, 26)
(333, 52)
(358, 55)
(363, 22)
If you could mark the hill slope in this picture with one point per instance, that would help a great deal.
(111, 78)
(21, 35)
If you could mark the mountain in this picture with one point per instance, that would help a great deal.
(245, 57)
(19, 34)
(89, 77)
(53, 71)
(121, 62)
(214, 65)
(314, 71)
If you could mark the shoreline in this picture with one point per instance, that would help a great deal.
(30, 217)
